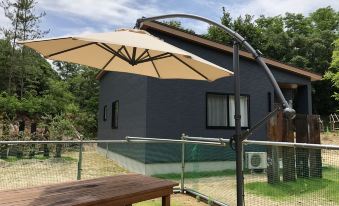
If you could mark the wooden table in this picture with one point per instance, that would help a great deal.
(122, 190)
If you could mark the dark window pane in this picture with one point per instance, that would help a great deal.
(105, 113)
(216, 110)
(115, 114)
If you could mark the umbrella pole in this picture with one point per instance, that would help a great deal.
(237, 118)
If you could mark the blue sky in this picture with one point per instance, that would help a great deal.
(65, 17)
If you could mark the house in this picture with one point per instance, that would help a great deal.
(132, 105)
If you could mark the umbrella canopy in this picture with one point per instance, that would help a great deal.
(129, 50)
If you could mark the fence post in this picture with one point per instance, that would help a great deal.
(302, 134)
(182, 183)
(315, 154)
(288, 153)
(274, 133)
(80, 161)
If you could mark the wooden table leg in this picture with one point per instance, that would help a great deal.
(166, 200)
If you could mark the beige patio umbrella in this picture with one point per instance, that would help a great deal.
(129, 50)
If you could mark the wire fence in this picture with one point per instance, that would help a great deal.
(291, 175)
(274, 174)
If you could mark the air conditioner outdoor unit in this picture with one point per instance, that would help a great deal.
(256, 160)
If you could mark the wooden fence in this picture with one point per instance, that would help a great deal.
(296, 162)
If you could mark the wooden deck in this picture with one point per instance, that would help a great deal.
(122, 190)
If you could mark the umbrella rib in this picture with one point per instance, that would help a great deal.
(129, 56)
(110, 60)
(133, 54)
(189, 66)
(153, 64)
(122, 54)
(68, 50)
(143, 58)
(157, 57)
(141, 55)
(112, 51)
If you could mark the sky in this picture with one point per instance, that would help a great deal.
(71, 17)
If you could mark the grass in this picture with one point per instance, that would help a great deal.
(328, 186)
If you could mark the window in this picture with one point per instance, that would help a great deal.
(105, 113)
(221, 110)
(217, 110)
(243, 110)
(115, 114)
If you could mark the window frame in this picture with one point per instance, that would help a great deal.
(228, 111)
(115, 115)
(104, 117)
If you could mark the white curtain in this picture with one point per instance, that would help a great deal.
(243, 110)
(216, 110)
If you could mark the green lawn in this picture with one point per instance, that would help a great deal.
(196, 175)
(328, 187)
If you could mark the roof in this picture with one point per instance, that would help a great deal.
(179, 33)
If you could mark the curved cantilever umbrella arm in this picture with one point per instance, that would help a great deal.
(289, 112)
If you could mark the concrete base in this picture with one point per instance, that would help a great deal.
(166, 168)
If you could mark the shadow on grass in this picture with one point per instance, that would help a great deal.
(327, 187)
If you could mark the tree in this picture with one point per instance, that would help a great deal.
(333, 73)
(11, 12)
(25, 25)
(82, 84)
(177, 24)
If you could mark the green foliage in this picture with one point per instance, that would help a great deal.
(60, 126)
(177, 24)
(29, 85)
(303, 41)
(333, 73)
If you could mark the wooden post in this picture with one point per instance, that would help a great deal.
(166, 200)
(288, 153)
(301, 131)
(315, 154)
(274, 133)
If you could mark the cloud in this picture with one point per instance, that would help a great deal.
(117, 12)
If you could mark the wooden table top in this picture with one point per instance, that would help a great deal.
(116, 190)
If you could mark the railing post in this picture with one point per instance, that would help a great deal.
(182, 183)
(80, 161)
